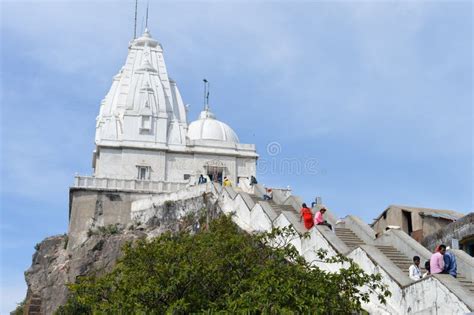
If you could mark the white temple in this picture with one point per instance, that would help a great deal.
(142, 132)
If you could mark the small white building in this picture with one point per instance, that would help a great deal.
(142, 132)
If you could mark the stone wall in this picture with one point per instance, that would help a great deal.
(61, 259)
(93, 208)
(432, 225)
(460, 229)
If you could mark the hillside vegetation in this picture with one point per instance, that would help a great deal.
(221, 268)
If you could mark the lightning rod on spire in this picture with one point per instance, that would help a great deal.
(135, 26)
(146, 19)
(206, 94)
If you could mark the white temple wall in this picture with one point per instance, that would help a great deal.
(133, 128)
(124, 161)
(246, 167)
(168, 166)
(179, 164)
(107, 161)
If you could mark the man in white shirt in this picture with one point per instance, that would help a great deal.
(414, 271)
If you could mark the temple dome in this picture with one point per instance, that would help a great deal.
(207, 127)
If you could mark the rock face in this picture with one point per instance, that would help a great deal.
(54, 267)
(56, 263)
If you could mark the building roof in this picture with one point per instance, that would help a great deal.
(435, 213)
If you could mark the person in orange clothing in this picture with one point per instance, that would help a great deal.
(307, 216)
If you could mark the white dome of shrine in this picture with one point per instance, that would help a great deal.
(207, 127)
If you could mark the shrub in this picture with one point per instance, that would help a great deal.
(223, 269)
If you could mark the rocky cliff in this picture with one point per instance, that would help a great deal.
(56, 263)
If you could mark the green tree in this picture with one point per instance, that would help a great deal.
(222, 269)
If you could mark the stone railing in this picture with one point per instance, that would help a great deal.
(126, 184)
(190, 192)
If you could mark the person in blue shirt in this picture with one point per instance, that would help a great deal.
(202, 180)
(450, 265)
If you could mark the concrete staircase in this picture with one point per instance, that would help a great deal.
(255, 198)
(352, 241)
(399, 259)
(280, 208)
(390, 255)
(276, 207)
(402, 261)
(467, 284)
(348, 237)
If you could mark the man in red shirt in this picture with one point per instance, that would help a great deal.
(319, 219)
(307, 216)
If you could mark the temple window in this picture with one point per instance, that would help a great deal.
(143, 172)
(146, 123)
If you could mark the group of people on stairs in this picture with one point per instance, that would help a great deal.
(442, 260)
(226, 182)
(306, 215)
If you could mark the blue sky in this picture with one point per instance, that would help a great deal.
(377, 95)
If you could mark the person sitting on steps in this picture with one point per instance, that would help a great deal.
(268, 195)
(202, 180)
(319, 218)
(437, 261)
(414, 271)
(427, 267)
(227, 182)
(450, 265)
(307, 216)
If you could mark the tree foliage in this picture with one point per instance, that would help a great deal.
(222, 269)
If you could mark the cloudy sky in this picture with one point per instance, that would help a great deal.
(370, 103)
